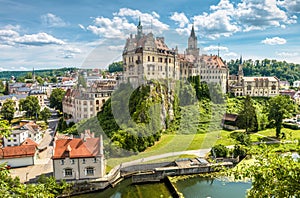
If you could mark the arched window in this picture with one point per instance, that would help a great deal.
(97, 102)
(249, 87)
(273, 87)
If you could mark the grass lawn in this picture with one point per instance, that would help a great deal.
(289, 133)
(172, 143)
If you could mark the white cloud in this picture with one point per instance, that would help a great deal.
(69, 52)
(116, 47)
(287, 54)
(231, 54)
(293, 6)
(122, 24)
(259, 15)
(274, 41)
(215, 48)
(81, 26)
(38, 39)
(180, 19)
(227, 18)
(219, 22)
(52, 20)
(11, 37)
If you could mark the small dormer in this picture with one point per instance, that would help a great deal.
(67, 151)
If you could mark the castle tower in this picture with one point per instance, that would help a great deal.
(139, 30)
(192, 44)
(240, 71)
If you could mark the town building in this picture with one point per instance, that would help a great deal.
(40, 95)
(146, 57)
(19, 156)
(20, 133)
(16, 99)
(78, 158)
(296, 83)
(83, 103)
(240, 85)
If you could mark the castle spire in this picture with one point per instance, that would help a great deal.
(193, 35)
(241, 60)
(139, 29)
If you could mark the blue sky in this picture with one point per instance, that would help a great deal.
(87, 33)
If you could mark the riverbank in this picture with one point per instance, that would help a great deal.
(144, 173)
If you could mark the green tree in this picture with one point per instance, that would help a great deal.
(280, 107)
(39, 80)
(2, 86)
(31, 106)
(45, 114)
(6, 91)
(81, 81)
(115, 67)
(271, 175)
(219, 151)
(5, 129)
(8, 110)
(247, 118)
(56, 98)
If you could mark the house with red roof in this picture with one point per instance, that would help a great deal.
(19, 156)
(78, 158)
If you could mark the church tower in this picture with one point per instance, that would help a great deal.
(240, 71)
(192, 44)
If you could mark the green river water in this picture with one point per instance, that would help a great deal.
(197, 187)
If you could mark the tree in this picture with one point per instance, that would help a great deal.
(280, 107)
(219, 150)
(271, 175)
(5, 129)
(30, 105)
(81, 81)
(247, 118)
(56, 98)
(8, 110)
(1, 86)
(45, 114)
(6, 91)
(115, 67)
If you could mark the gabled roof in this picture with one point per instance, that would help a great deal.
(29, 141)
(76, 148)
(230, 117)
(18, 151)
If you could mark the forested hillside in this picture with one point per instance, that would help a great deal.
(266, 67)
(43, 73)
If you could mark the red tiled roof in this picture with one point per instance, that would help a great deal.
(18, 151)
(29, 141)
(76, 147)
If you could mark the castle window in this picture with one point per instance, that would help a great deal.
(249, 87)
(152, 58)
(149, 58)
(273, 87)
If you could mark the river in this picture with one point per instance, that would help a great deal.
(192, 187)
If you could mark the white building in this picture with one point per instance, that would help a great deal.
(146, 57)
(78, 158)
(296, 83)
(86, 103)
(18, 156)
(18, 136)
